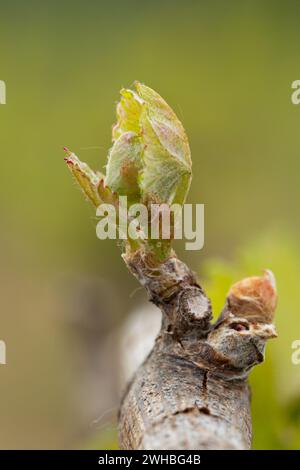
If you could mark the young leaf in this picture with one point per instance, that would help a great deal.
(124, 164)
(165, 166)
(87, 179)
(167, 158)
(128, 114)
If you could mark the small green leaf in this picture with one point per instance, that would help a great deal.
(124, 164)
(128, 114)
(91, 183)
(163, 159)
(166, 125)
(87, 179)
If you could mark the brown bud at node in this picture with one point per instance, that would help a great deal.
(254, 298)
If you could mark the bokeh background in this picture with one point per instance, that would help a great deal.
(226, 68)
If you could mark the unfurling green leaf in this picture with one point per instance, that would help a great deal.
(124, 164)
(87, 179)
(163, 159)
(128, 114)
(91, 183)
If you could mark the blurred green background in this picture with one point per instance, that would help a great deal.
(226, 68)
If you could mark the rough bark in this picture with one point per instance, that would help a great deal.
(191, 392)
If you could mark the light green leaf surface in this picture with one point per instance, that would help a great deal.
(128, 114)
(165, 166)
(86, 178)
(124, 164)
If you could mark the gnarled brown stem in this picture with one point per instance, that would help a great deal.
(191, 392)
